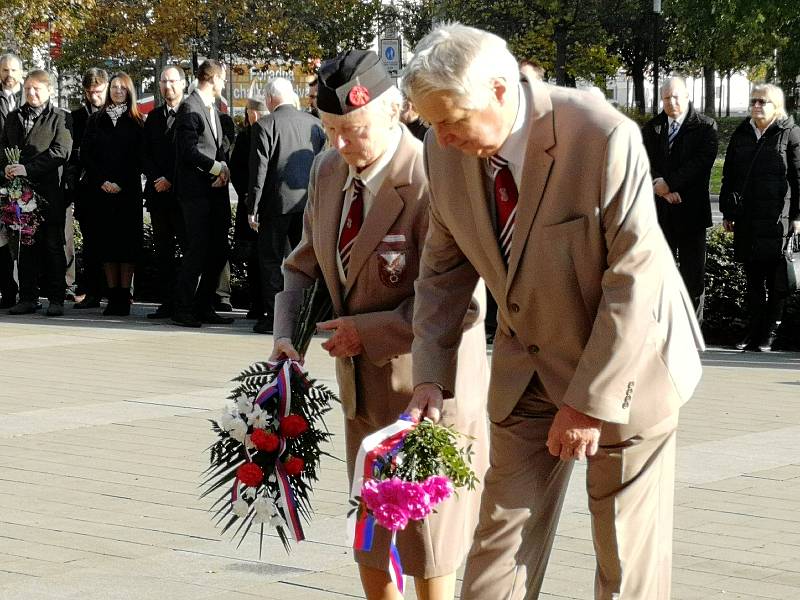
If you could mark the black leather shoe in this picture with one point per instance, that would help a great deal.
(56, 309)
(23, 307)
(222, 306)
(185, 320)
(88, 302)
(264, 325)
(212, 318)
(162, 312)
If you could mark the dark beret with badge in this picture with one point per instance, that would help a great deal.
(350, 81)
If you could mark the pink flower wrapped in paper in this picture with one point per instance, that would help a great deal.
(402, 473)
(20, 205)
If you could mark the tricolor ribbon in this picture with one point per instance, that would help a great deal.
(361, 525)
(281, 386)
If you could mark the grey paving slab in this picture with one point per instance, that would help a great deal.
(102, 448)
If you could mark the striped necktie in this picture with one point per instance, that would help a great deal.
(352, 224)
(505, 199)
(673, 131)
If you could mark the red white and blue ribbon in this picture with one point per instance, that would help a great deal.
(360, 524)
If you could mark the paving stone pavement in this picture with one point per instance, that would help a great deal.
(104, 424)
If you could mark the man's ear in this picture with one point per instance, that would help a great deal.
(500, 90)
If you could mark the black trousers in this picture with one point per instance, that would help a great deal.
(43, 262)
(689, 250)
(277, 236)
(169, 235)
(91, 278)
(766, 291)
(8, 285)
(206, 220)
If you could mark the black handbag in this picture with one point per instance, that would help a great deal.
(791, 253)
(736, 199)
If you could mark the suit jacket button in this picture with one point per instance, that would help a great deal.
(625, 404)
(514, 307)
(533, 349)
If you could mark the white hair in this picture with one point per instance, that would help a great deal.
(774, 94)
(460, 60)
(281, 89)
(672, 82)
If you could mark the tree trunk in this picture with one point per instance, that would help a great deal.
(708, 77)
(728, 92)
(637, 74)
(560, 38)
(213, 39)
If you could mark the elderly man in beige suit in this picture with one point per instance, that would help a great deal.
(364, 226)
(545, 192)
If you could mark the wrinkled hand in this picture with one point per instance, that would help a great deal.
(162, 184)
(345, 340)
(252, 220)
(673, 198)
(12, 171)
(426, 402)
(660, 187)
(110, 188)
(283, 349)
(573, 434)
(219, 182)
(727, 225)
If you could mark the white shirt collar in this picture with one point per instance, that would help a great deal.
(679, 120)
(758, 131)
(374, 175)
(513, 149)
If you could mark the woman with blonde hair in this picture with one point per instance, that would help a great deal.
(111, 153)
(760, 203)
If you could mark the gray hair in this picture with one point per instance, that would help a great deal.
(281, 89)
(673, 82)
(459, 60)
(9, 56)
(181, 74)
(775, 95)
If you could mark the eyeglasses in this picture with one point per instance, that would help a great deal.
(759, 101)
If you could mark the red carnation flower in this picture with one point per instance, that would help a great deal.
(293, 426)
(358, 96)
(294, 465)
(268, 442)
(250, 474)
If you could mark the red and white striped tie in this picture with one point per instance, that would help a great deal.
(352, 224)
(505, 199)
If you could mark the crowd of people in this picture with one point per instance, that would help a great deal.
(588, 234)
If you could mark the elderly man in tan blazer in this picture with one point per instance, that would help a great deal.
(364, 226)
(545, 193)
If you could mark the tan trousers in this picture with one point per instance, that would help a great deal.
(630, 489)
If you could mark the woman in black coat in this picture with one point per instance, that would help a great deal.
(245, 240)
(762, 164)
(111, 153)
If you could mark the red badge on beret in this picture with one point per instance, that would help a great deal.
(358, 96)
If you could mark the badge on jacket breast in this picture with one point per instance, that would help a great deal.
(392, 260)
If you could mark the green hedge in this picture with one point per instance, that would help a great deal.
(725, 314)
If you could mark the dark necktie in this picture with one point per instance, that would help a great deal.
(170, 118)
(352, 224)
(673, 131)
(505, 199)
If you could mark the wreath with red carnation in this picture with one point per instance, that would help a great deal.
(268, 451)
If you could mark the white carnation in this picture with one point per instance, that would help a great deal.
(262, 505)
(240, 508)
(243, 404)
(238, 430)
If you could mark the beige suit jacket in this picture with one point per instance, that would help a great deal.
(379, 291)
(591, 301)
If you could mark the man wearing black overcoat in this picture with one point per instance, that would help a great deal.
(682, 145)
(41, 132)
(160, 199)
(282, 149)
(10, 98)
(201, 183)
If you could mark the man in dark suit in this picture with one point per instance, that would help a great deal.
(40, 130)
(160, 199)
(10, 98)
(91, 279)
(682, 145)
(284, 144)
(201, 183)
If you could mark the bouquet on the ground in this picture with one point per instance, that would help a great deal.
(402, 473)
(268, 451)
(20, 205)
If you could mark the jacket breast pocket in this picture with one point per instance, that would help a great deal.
(393, 260)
